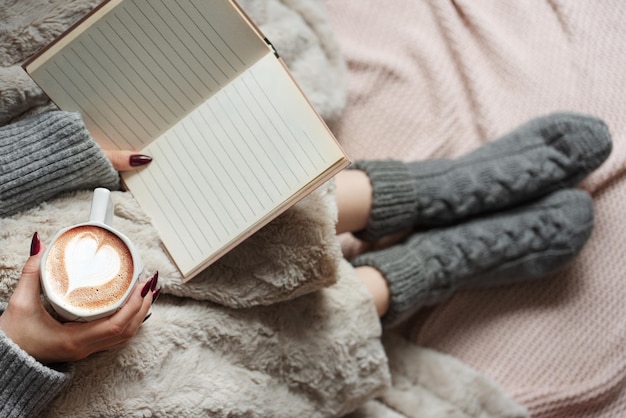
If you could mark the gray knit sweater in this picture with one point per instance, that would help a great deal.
(45, 155)
(41, 157)
(26, 386)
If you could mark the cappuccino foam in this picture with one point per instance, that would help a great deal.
(89, 268)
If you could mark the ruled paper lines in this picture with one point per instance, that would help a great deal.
(174, 195)
(164, 84)
(159, 29)
(158, 205)
(84, 111)
(240, 142)
(277, 115)
(136, 75)
(216, 33)
(209, 184)
(264, 107)
(246, 119)
(229, 189)
(105, 102)
(120, 74)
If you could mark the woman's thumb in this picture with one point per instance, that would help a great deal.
(30, 273)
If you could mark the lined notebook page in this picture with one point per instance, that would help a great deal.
(231, 163)
(192, 84)
(145, 64)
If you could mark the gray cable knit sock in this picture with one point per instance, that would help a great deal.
(523, 243)
(541, 156)
(48, 154)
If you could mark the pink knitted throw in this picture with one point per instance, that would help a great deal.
(437, 78)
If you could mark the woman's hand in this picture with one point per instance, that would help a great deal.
(30, 326)
(124, 160)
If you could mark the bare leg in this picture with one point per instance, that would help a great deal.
(378, 287)
(354, 200)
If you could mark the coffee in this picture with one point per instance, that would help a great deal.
(89, 268)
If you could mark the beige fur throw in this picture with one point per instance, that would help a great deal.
(316, 355)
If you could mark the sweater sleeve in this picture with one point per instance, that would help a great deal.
(48, 154)
(26, 386)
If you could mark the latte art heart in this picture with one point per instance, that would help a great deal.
(88, 268)
(88, 263)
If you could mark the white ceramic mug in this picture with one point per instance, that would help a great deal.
(89, 270)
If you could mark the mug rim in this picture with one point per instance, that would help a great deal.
(73, 313)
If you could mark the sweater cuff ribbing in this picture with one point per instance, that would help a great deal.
(26, 386)
(48, 154)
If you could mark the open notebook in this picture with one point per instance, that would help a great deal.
(197, 86)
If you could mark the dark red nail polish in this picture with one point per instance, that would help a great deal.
(155, 279)
(146, 288)
(139, 159)
(156, 295)
(147, 316)
(35, 245)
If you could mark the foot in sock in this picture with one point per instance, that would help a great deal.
(543, 155)
(523, 243)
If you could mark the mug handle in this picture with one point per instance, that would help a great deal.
(101, 207)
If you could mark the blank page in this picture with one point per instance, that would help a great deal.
(232, 163)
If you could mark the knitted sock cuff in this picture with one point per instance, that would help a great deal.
(402, 269)
(47, 154)
(394, 198)
(26, 386)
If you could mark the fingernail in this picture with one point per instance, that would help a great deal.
(139, 159)
(156, 295)
(146, 288)
(35, 245)
(150, 284)
(146, 318)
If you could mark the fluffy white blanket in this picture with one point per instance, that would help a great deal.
(280, 326)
